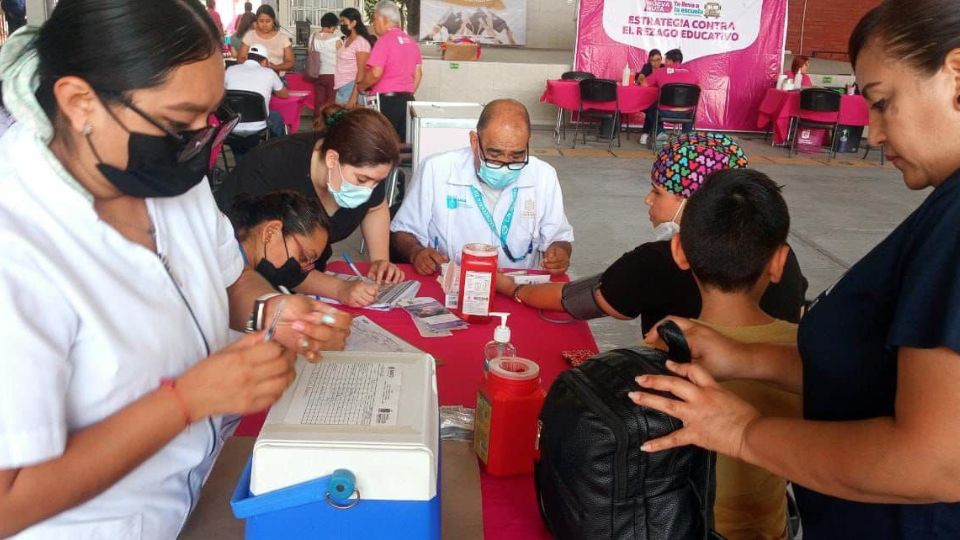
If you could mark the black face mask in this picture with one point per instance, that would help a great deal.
(152, 167)
(344, 29)
(289, 275)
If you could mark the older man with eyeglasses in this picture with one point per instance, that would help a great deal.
(492, 192)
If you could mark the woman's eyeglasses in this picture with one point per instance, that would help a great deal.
(191, 142)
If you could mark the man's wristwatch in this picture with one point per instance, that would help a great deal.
(255, 322)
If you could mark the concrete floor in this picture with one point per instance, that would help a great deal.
(839, 211)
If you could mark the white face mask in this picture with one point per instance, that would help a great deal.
(667, 229)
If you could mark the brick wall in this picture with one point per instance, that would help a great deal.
(827, 26)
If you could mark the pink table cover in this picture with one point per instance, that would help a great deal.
(289, 108)
(780, 106)
(632, 99)
(296, 83)
(509, 504)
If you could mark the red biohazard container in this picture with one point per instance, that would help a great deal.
(478, 271)
(508, 408)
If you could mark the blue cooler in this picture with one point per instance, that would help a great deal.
(350, 451)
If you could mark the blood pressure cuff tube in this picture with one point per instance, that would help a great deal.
(579, 299)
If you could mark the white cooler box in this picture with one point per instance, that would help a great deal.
(351, 450)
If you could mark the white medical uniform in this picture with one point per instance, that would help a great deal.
(440, 208)
(92, 322)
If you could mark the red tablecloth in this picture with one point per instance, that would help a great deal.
(632, 99)
(290, 107)
(780, 106)
(509, 504)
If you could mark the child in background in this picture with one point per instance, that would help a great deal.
(734, 240)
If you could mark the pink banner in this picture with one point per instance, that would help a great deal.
(734, 47)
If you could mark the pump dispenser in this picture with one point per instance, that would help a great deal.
(500, 346)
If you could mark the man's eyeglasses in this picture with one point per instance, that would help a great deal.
(191, 142)
(498, 164)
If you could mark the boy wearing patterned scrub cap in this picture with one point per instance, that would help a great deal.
(646, 282)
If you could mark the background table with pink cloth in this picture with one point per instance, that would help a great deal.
(779, 106)
(290, 108)
(509, 504)
(632, 99)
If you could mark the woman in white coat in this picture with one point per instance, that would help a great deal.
(120, 278)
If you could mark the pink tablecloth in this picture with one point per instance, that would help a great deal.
(509, 504)
(780, 106)
(289, 108)
(631, 99)
(296, 83)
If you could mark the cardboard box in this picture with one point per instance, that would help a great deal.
(461, 51)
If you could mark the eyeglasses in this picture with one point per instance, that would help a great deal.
(191, 142)
(305, 259)
(510, 165)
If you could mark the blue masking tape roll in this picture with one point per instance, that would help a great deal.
(341, 485)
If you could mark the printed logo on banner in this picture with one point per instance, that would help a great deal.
(697, 28)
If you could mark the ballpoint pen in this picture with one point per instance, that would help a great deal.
(272, 329)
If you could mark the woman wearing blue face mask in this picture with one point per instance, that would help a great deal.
(121, 280)
(343, 167)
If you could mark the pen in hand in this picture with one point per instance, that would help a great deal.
(272, 329)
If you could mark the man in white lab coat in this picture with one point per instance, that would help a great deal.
(492, 192)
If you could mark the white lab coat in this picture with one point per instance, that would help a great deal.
(439, 208)
(91, 322)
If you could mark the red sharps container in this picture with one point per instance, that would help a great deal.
(508, 408)
(478, 271)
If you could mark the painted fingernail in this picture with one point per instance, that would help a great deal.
(328, 319)
(298, 326)
(634, 395)
(645, 447)
(671, 363)
(641, 379)
(304, 343)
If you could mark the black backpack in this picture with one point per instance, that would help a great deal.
(593, 481)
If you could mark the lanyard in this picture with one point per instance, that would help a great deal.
(507, 221)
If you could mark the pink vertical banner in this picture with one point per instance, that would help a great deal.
(734, 47)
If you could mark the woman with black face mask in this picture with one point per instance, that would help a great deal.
(121, 280)
(282, 235)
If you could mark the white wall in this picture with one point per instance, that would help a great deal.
(551, 24)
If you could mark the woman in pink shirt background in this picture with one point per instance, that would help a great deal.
(351, 57)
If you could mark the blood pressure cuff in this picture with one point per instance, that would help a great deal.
(579, 298)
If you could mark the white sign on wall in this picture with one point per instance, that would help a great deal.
(696, 27)
(491, 22)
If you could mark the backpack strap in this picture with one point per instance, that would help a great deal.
(677, 348)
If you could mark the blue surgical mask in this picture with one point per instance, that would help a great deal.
(349, 195)
(497, 178)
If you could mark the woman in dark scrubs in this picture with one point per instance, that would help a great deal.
(877, 454)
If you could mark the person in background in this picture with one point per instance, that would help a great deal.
(244, 25)
(672, 73)
(342, 166)
(654, 62)
(324, 44)
(212, 10)
(800, 64)
(247, 9)
(877, 454)
(646, 282)
(266, 31)
(492, 192)
(741, 212)
(15, 11)
(122, 281)
(394, 67)
(351, 57)
(281, 235)
(255, 75)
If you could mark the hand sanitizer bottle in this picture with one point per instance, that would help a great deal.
(500, 346)
(626, 75)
